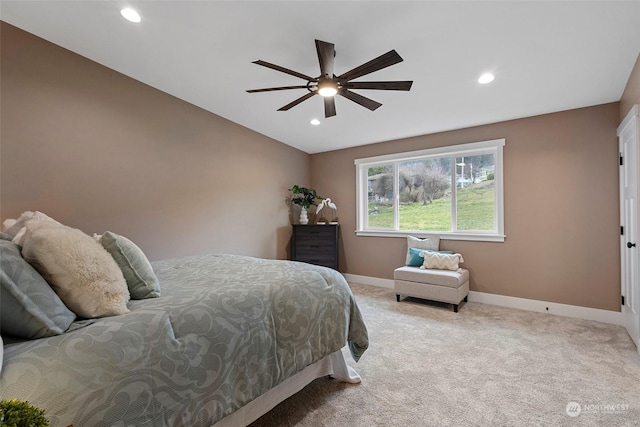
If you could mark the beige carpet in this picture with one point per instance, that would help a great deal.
(485, 366)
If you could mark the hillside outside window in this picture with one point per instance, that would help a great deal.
(455, 192)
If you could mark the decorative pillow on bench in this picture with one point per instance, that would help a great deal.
(440, 261)
(416, 259)
(430, 243)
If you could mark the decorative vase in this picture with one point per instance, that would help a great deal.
(304, 219)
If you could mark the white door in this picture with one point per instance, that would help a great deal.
(629, 244)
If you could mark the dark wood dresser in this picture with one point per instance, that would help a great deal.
(315, 244)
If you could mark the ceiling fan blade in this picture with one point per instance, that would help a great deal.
(326, 54)
(399, 85)
(284, 70)
(297, 101)
(359, 99)
(269, 89)
(382, 61)
(329, 106)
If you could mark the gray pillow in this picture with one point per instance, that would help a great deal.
(141, 279)
(29, 308)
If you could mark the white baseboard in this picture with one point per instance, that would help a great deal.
(577, 312)
(371, 281)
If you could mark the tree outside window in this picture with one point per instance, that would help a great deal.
(450, 190)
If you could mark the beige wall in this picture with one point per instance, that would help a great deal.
(631, 94)
(561, 209)
(98, 150)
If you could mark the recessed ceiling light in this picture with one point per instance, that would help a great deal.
(315, 122)
(130, 15)
(486, 78)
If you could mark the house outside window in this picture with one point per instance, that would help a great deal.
(455, 192)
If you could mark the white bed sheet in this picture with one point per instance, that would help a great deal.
(333, 365)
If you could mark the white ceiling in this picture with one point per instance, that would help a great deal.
(547, 56)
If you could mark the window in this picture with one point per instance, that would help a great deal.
(455, 192)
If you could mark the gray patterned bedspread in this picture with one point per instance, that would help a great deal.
(225, 330)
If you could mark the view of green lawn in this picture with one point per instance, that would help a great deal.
(475, 211)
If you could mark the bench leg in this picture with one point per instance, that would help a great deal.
(455, 308)
(466, 298)
(397, 297)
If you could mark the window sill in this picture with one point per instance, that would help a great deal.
(478, 237)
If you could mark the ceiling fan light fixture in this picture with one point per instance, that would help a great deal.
(327, 88)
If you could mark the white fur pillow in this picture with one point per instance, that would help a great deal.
(79, 269)
(441, 261)
(431, 242)
(16, 227)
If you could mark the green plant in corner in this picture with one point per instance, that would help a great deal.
(304, 197)
(16, 413)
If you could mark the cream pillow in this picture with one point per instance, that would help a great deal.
(16, 227)
(8, 223)
(79, 269)
(431, 243)
(441, 261)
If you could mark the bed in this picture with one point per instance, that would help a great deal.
(228, 339)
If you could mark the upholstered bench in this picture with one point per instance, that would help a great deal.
(436, 285)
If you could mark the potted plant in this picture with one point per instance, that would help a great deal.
(17, 413)
(304, 197)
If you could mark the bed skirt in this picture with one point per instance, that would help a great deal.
(333, 365)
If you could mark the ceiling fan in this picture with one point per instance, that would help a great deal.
(328, 84)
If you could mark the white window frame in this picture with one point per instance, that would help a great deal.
(494, 146)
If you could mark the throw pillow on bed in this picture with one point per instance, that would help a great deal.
(137, 270)
(16, 227)
(79, 269)
(28, 308)
(431, 243)
(440, 261)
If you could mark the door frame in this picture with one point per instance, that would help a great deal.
(629, 255)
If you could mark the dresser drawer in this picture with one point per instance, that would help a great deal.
(311, 244)
(318, 259)
(311, 252)
(323, 232)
